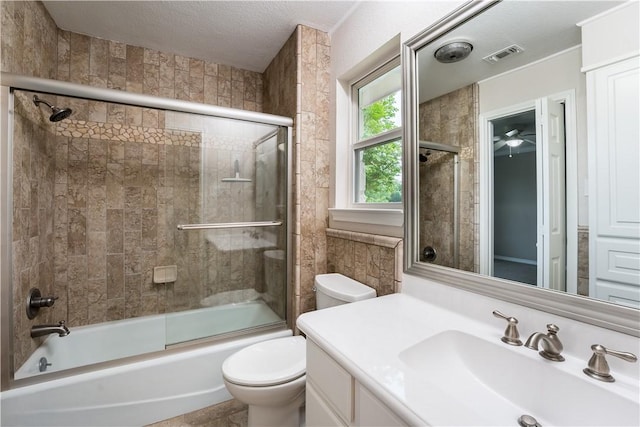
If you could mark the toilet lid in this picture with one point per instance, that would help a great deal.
(267, 363)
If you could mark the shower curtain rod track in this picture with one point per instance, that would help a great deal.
(57, 87)
(220, 225)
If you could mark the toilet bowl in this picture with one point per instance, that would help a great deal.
(270, 376)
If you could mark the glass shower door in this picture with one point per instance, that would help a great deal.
(231, 235)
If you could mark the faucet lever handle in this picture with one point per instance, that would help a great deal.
(511, 335)
(598, 368)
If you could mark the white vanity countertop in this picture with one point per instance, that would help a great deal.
(368, 337)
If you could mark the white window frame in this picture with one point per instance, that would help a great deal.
(355, 144)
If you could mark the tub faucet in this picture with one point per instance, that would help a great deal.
(41, 330)
(550, 343)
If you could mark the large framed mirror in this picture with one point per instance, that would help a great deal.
(499, 183)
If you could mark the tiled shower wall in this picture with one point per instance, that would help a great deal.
(111, 212)
(297, 85)
(450, 119)
(33, 226)
(28, 47)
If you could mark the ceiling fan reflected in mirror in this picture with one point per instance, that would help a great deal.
(512, 138)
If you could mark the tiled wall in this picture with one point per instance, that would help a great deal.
(27, 39)
(33, 226)
(117, 194)
(119, 189)
(450, 119)
(111, 64)
(112, 216)
(583, 261)
(373, 260)
(297, 82)
(28, 46)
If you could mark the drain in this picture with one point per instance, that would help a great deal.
(43, 363)
(528, 421)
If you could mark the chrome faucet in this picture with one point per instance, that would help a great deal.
(550, 343)
(41, 330)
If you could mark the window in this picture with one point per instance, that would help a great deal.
(377, 138)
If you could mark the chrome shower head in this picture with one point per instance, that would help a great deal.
(57, 114)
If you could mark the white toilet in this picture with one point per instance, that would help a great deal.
(270, 376)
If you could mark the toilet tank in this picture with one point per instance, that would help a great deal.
(335, 289)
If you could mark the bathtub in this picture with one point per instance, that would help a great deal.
(136, 393)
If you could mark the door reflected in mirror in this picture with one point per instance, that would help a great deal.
(502, 161)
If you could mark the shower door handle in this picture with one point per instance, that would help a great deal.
(219, 225)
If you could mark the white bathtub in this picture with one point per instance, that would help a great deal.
(132, 394)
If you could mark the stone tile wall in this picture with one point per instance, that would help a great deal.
(303, 64)
(117, 194)
(583, 261)
(27, 39)
(28, 46)
(111, 64)
(373, 260)
(107, 215)
(450, 119)
(33, 227)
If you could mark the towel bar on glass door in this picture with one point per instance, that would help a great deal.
(229, 225)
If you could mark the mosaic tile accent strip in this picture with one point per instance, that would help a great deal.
(119, 132)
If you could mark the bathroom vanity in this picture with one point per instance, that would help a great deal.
(335, 398)
(399, 360)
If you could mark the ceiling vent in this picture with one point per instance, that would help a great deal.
(503, 53)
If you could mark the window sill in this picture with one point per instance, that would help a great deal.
(384, 222)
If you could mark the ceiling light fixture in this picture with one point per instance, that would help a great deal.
(453, 52)
(513, 139)
(514, 142)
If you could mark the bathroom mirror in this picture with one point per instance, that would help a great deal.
(482, 87)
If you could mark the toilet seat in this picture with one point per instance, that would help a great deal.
(267, 363)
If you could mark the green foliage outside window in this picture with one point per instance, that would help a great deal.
(382, 163)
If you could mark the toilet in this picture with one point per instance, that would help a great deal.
(270, 376)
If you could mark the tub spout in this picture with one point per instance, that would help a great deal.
(41, 330)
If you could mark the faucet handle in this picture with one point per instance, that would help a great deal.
(598, 368)
(511, 335)
(552, 329)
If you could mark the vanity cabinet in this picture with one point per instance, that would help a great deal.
(335, 398)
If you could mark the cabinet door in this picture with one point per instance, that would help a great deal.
(318, 413)
(333, 382)
(371, 412)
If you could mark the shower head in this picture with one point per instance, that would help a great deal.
(57, 114)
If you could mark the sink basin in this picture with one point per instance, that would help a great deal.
(459, 379)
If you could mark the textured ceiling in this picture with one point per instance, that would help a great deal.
(244, 34)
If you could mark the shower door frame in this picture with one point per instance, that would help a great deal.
(10, 82)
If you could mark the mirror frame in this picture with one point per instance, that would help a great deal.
(599, 313)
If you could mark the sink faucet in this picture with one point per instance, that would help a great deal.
(550, 343)
(41, 330)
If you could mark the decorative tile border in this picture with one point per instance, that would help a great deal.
(124, 133)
